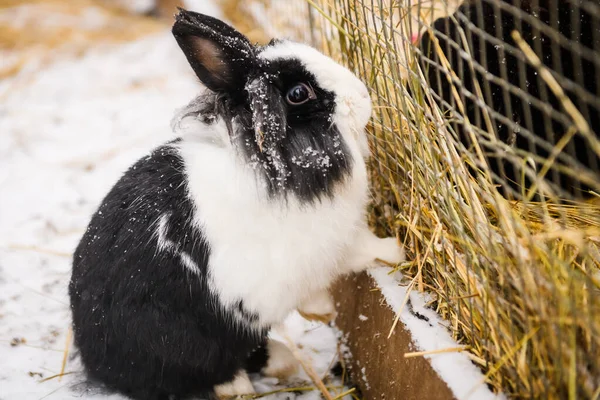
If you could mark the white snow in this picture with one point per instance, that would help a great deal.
(67, 133)
(363, 371)
(463, 378)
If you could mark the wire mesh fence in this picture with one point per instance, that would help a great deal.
(487, 165)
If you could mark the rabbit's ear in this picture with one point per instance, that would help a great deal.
(220, 56)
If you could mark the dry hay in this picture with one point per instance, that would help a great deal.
(517, 280)
(37, 31)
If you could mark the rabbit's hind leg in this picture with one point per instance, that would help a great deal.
(238, 386)
(281, 362)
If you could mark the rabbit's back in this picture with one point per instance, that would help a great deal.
(145, 319)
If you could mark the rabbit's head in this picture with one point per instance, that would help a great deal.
(292, 113)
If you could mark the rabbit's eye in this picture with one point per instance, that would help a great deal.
(300, 94)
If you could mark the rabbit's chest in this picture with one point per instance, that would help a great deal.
(267, 253)
(272, 260)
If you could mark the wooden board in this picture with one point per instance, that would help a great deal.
(377, 364)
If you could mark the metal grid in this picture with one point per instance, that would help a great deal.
(506, 98)
(487, 167)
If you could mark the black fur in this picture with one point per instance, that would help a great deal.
(306, 156)
(143, 323)
(208, 42)
(538, 134)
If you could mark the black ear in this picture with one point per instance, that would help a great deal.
(220, 56)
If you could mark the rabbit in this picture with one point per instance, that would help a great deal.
(517, 120)
(251, 212)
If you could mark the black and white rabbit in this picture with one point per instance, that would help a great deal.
(562, 33)
(206, 243)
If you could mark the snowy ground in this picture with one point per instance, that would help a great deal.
(67, 132)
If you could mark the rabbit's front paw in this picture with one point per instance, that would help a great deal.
(389, 251)
(368, 248)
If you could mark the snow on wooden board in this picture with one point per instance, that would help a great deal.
(68, 131)
(429, 333)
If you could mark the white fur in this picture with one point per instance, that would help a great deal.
(319, 303)
(275, 255)
(262, 252)
(362, 256)
(281, 363)
(240, 385)
(164, 244)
